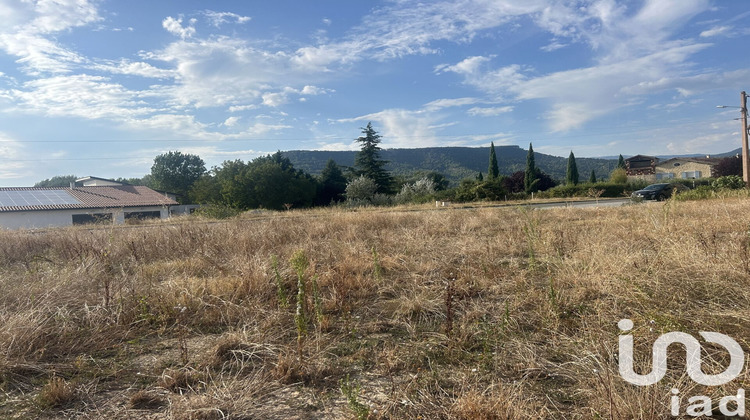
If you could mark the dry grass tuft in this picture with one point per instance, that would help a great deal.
(182, 380)
(57, 393)
(147, 400)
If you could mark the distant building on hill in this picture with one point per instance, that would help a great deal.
(651, 169)
(639, 165)
(686, 168)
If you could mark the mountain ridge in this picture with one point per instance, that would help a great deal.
(457, 163)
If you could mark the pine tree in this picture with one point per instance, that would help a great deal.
(621, 162)
(368, 162)
(571, 176)
(480, 177)
(531, 175)
(493, 171)
(592, 178)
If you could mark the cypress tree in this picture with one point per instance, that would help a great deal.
(621, 162)
(571, 176)
(480, 177)
(368, 160)
(531, 175)
(592, 178)
(493, 171)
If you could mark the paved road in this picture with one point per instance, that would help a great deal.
(616, 202)
(602, 202)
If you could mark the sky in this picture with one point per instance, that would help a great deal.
(101, 87)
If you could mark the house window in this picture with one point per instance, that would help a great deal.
(691, 175)
(664, 175)
(84, 219)
(676, 164)
(141, 215)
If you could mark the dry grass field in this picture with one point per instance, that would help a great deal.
(486, 313)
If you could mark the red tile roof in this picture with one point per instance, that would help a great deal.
(96, 197)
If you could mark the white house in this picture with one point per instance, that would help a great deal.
(31, 207)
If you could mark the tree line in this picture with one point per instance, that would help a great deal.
(272, 181)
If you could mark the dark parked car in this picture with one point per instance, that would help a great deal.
(658, 192)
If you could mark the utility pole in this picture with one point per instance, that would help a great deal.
(745, 152)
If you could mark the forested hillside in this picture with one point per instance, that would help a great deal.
(455, 163)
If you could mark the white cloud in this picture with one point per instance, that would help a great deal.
(88, 97)
(635, 55)
(468, 66)
(553, 46)
(337, 146)
(314, 90)
(404, 128)
(240, 108)
(11, 153)
(58, 15)
(174, 26)
(404, 28)
(275, 99)
(439, 104)
(137, 68)
(489, 112)
(27, 27)
(231, 121)
(715, 31)
(218, 18)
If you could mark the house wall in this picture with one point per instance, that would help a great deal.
(184, 209)
(685, 166)
(55, 218)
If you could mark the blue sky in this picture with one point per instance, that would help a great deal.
(99, 88)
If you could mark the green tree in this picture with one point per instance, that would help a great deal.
(276, 184)
(332, 183)
(145, 180)
(232, 188)
(368, 162)
(439, 180)
(571, 176)
(205, 190)
(531, 175)
(269, 182)
(621, 162)
(493, 171)
(592, 178)
(480, 177)
(176, 172)
(57, 181)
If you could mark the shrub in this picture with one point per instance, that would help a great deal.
(418, 192)
(701, 192)
(361, 189)
(217, 211)
(618, 176)
(731, 182)
(487, 190)
(380, 199)
(609, 189)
